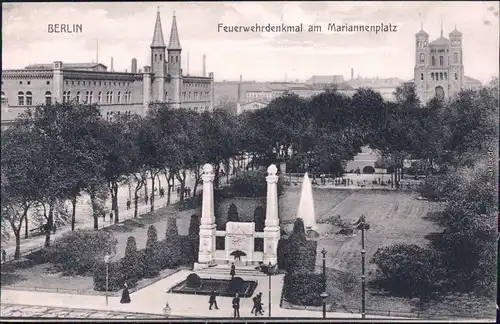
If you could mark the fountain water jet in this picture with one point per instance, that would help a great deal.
(306, 207)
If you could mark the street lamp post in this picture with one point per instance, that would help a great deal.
(106, 260)
(324, 296)
(363, 277)
(324, 269)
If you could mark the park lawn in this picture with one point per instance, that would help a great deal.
(27, 275)
(394, 217)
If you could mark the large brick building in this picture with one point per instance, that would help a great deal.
(115, 92)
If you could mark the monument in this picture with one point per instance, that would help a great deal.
(306, 205)
(237, 242)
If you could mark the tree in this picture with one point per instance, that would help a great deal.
(152, 256)
(259, 217)
(152, 237)
(194, 236)
(172, 244)
(131, 262)
(232, 214)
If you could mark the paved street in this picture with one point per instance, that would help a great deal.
(152, 299)
(10, 310)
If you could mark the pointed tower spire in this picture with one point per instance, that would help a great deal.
(441, 27)
(158, 33)
(421, 26)
(174, 43)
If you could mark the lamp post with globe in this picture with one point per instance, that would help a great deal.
(107, 257)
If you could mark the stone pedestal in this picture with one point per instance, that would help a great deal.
(206, 253)
(272, 230)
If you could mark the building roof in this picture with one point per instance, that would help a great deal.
(174, 43)
(468, 79)
(325, 79)
(264, 102)
(158, 40)
(277, 86)
(255, 87)
(71, 66)
(455, 33)
(422, 33)
(375, 82)
(296, 86)
(441, 41)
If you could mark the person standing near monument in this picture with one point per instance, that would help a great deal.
(128, 204)
(232, 273)
(212, 301)
(236, 306)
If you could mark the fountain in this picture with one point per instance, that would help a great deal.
(306, 208)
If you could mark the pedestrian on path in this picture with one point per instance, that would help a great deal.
(212, 301)
(167, 310)
(146, 199)
(232, 273)
(178, 191)
(125, 295)
(258, 306)
(128, 204)
(4, 255)
(111, 218)
(236, 306)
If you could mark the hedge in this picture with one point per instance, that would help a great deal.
(303, 288)
(139, 264)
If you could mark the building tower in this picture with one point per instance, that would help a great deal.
(174, 63)
(421, 64)
(134, 65)
(158, 62)
(456, 67)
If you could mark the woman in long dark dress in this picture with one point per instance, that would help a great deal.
(125, 295)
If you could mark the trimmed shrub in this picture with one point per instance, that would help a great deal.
(115, 276)
(152, 237)
(151, 261)
(408, 269)
(193, 281)
(369, 169)
(76, 252)
(232, 214)
(236, 285)
(194, 238)
(297, 257)
(303, 288)
(131, 263)
(259, 218)
(170, 249)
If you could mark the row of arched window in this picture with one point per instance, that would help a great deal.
(26, 99)
(196, 95)
(89, 97)
(438, 76)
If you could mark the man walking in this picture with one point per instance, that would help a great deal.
(258, 308)
(232, 273)
(4, 255)
(212, 301)
(236, 306)
(128, 204)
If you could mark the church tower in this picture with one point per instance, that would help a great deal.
(158, 62)
(456, 67)
(421, 64)
(174, 64)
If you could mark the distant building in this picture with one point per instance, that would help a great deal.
(251, 105)
(439, 69)
(325, 79)
(114, 92)
(385, 86)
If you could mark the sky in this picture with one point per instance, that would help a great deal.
(125, 30)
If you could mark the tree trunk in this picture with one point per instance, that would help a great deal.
(181, 176)
(17, 253)
(136, 204)
(50, 224)
(146, 186)
(153, 176)
(197, 177)
(73, 213)
(170, 184)
(95, 207)
(114, 197)
(26, 232)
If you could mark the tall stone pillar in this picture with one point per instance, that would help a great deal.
(206, 254)
(272, 229)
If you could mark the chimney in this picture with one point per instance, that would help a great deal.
(352, 74)
(112, 70)
(204, 65)
(239, 88)
(134, 65)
